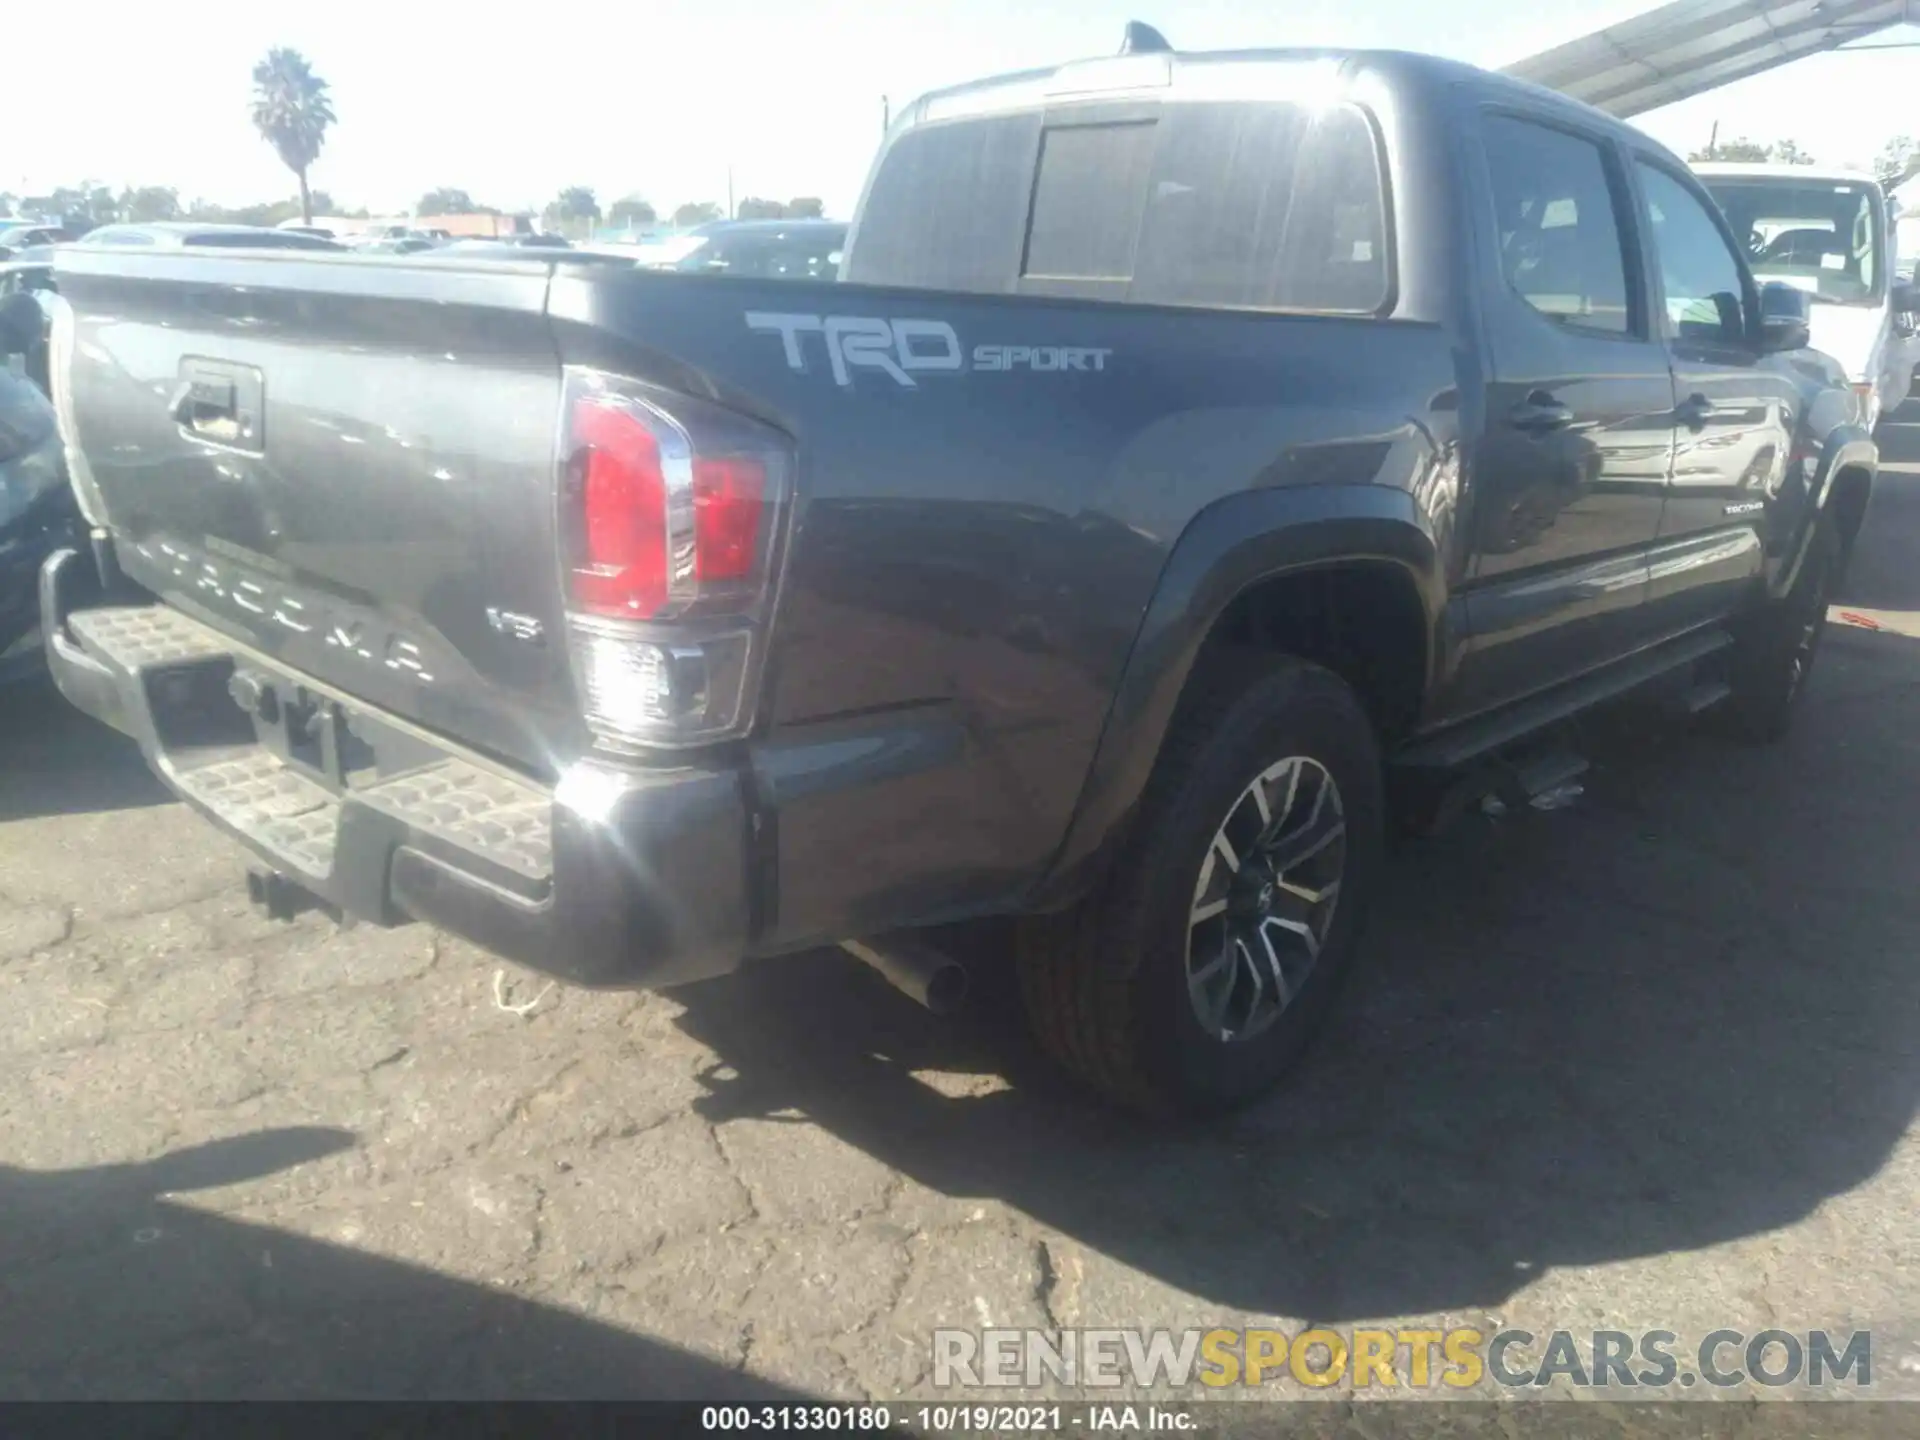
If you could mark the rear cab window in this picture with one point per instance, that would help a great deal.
(1264, 204)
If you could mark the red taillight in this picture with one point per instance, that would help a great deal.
(624, 564)
(671, 516)
(727, 496)
(621, 568)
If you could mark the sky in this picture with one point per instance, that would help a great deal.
(662, 98)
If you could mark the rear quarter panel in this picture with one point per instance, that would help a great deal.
(972, 554)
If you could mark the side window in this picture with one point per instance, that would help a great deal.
(1698, 271)
(1559, 232)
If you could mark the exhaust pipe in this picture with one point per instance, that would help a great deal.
(916, 970)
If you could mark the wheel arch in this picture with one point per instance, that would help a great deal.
(1842, 488)
(1246, 548)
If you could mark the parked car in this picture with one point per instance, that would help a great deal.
(1828, 232)
(530, 239)
(176, 234)
(405, 245)
(767, 249)
(1201, 459)
(30, 268)
(16, 237)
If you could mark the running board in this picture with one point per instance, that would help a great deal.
(1705, 694)
(1481, 736)
(1525, 778)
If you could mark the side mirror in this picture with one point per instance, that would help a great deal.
(1906, 299)
(1785, 317)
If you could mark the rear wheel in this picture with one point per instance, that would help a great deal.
(1200, 967)
(1773, 656)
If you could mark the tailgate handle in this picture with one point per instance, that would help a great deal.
(217, 401)
(198, 401)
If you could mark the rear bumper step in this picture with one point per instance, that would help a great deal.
(612, 878)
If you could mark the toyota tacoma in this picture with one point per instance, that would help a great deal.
(1199, 461)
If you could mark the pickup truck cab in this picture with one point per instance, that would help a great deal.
(1199, 458)
(1828, 232)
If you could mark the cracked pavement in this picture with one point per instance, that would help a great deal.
(1650, 1061)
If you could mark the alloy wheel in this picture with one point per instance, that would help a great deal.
(1265, 899)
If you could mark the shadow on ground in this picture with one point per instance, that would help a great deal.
(56, 761)
(1679, 1013)
(102, 1274)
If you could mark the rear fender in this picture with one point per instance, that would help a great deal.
(1234, 544)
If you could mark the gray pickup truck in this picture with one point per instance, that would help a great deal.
(1199, 460)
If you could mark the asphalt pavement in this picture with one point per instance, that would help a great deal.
(1648, 1061)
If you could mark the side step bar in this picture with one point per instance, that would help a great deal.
(1475, 739)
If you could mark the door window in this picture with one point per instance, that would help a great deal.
(1558, 226)
(1705, 291)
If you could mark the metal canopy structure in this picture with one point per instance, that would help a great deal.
(1691, 46)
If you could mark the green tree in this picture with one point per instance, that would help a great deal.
(807, 207)
(449, 202)
(574, 208)
(1788, 152)
(754, 208)
(1742, 149)
(292, 112)
(632, 212)
(87, 203)
(696, 212)
(150, 202)
(266, 212)
(1898, 159)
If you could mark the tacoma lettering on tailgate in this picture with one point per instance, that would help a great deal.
(266, 603)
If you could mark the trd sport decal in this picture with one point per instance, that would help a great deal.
(902, 349)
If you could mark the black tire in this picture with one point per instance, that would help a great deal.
(1774, 652)
(1106, 984)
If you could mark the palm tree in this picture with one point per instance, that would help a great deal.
(292, 112)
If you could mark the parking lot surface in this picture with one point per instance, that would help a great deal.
(1647, 1061)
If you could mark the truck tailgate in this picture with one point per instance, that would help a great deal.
(357, 481)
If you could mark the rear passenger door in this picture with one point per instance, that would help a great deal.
(1573, 465)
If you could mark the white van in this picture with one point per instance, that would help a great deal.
(1829, 233)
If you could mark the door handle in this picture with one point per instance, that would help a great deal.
(1540, 413)
(1694, 412)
